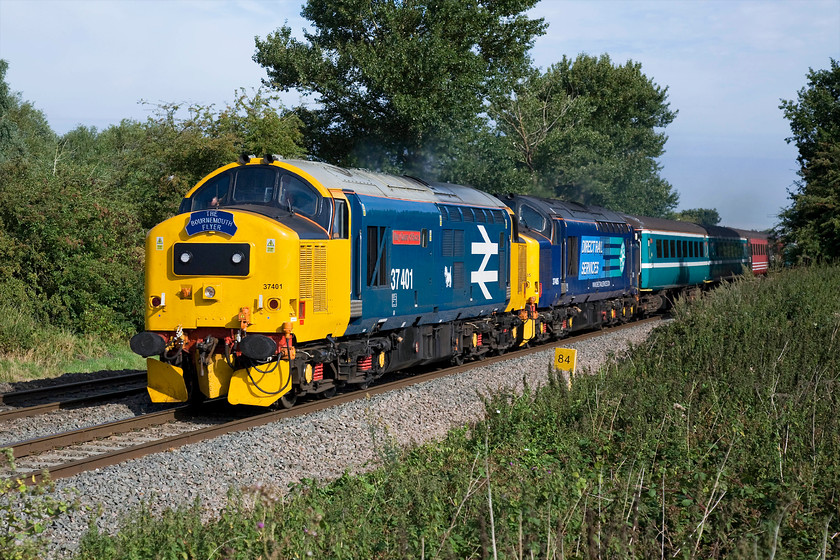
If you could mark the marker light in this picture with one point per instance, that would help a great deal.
(237, 258)
(185, 257)
(209, 292)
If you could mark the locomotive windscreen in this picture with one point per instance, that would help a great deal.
(260, 185)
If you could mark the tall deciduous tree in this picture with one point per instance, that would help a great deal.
(397, 80)
(586, 130)
(810, 227)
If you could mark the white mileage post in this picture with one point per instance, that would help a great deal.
(565, 359)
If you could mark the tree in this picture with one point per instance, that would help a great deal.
(810, 227)
(177, 146)
(702, 216)
(586, 131)
(397, 80)
(70, 249)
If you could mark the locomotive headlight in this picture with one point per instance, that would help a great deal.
(185, 257)
(237, 258)
(209, 292)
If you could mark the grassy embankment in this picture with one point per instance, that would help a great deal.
(719, 437)
(49, 352)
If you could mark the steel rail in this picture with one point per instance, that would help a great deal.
(35, 410)
(12, 396)
(29, 447)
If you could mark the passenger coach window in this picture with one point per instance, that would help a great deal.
(658, 248)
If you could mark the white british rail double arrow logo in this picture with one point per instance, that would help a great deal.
(482, 276)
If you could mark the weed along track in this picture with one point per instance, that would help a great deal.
(72, 452)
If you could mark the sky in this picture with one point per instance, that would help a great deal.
(726, 64)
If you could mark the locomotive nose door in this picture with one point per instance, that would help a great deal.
(635, 259)
(562, 255)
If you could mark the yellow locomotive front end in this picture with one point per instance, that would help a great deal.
(226, 295)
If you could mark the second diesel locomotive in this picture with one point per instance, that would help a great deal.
(281, 278)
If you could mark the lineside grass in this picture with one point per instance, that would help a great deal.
(718, 438)
(52, 352)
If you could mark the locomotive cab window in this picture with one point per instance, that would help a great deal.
(298, 196)
(341, 223)
(255, 187)
(531, 219)
(212, 194)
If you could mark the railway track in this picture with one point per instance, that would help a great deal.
(70, 453)
(32, 402)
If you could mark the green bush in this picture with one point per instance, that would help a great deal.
(74, 209)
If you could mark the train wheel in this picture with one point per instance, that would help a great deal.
(329, 393)
(288, 400)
